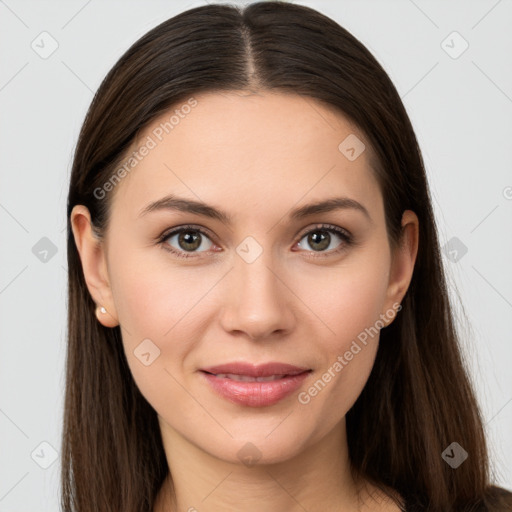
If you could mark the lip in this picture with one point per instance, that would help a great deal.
(255, 394)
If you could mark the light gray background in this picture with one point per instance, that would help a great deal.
(461, 109)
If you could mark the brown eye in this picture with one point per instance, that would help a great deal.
(187, 240)
(323, 239)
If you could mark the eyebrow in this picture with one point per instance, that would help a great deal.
(174, 203)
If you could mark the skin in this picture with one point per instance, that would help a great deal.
(256, 156)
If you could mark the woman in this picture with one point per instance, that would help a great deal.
(258, 314)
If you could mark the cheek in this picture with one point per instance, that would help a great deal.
(349, 302)
(157, 302)
(348, 352)
(347, 299)
(152, 297)
(149, 305)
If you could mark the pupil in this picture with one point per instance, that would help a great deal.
(323, 240)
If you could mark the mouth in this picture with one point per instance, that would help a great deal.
(255, 386)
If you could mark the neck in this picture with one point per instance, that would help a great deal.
(317, 478)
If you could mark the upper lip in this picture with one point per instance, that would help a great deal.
(252, 370)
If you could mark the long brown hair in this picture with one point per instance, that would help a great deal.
(418, 399)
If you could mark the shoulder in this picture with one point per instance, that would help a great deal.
(495, 499)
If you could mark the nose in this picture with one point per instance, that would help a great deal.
(258, 302)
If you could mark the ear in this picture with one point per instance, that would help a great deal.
(93, 258)
(402, 263)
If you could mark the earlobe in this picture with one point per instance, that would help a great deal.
(403, 260)
(93, 258)
(105, 318)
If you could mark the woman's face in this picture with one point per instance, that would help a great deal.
(274, 283)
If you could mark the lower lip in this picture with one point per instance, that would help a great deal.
(255, 394)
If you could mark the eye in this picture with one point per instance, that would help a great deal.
(323, 237)
(186, 239)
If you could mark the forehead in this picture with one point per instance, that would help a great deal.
(243, 149)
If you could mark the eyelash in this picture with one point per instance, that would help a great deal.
(342, 233)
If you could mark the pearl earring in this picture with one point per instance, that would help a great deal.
(103, 310)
